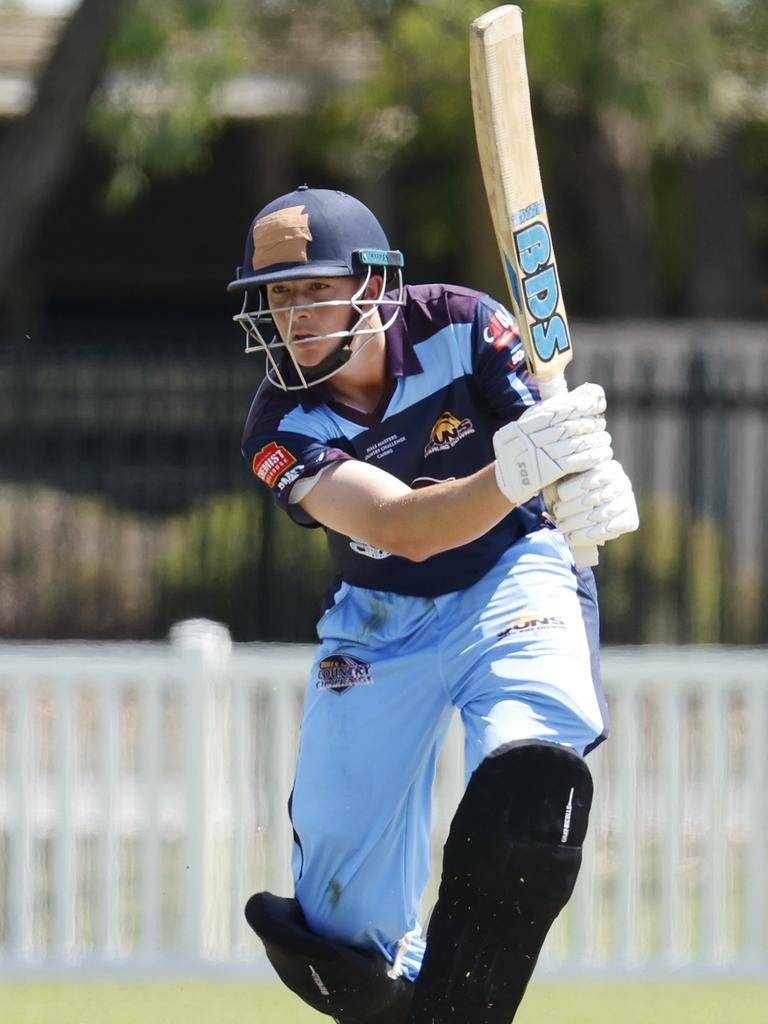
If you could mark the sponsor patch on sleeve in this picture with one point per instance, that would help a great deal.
(502, 330)
(271, 461)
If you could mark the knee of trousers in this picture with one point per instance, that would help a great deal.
(351, 985)
(524, 814)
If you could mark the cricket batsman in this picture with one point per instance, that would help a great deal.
(402, 421)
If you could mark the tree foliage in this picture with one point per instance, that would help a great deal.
(392, 74)
(36, 150)
(171, 59)
(674, 75)
(618, 88)
(654, 75)
(387, 87)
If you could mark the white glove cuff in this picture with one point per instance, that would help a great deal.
(515, 496)
(500, 481)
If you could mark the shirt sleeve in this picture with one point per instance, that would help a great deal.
(280, 459)
(499, 366)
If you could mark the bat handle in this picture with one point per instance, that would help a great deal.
(584, 555)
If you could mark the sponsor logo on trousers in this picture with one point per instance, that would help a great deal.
(340, 672)
(532, 622)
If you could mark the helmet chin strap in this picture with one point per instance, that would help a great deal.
(334, 361)
(340, 357)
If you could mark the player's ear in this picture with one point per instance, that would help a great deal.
(375, 287)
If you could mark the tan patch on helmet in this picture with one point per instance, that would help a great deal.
(281, 237)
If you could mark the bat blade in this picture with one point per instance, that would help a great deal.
(506, 144)
(509, 160)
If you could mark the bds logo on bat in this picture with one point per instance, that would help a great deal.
(542, 291)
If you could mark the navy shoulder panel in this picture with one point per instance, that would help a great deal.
(268, 408)
(430, 307)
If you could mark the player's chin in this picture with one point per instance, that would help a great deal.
(312, 353)
(309, 359)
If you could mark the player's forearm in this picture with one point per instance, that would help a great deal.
(371, 505)
(446, 515)
(563, 435)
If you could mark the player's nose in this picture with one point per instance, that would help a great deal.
(301, 299)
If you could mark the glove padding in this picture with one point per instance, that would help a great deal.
(595, 506)
(562, 435)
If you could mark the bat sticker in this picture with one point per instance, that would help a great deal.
(514, 286)
(523, 216)
(542, 291)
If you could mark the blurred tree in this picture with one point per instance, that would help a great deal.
(171, 59)
(37, 149)
(650, 78)
(158, 115)
(615, 83)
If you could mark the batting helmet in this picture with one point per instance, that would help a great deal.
(314, 232)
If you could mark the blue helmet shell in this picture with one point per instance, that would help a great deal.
(344, 239)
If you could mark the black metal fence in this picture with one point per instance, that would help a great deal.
(125, 504)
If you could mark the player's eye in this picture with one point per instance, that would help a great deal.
(278, 296)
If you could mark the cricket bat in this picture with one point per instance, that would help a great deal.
(506, 144)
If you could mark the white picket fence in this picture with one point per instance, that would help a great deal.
(143, 792)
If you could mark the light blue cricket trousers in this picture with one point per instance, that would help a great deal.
(516, 653)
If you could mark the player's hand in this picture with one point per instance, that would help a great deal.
(595, 506)
(563, 435)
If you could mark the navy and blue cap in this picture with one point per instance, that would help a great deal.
(312, 232)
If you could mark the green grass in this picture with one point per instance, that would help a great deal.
(193, 1002)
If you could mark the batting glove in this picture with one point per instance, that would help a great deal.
(595, 506)
(560, 436)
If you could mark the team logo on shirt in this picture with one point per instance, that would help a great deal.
(447, 432)
(271, 461)
(532, 622)
(502, 330)
(340, 672)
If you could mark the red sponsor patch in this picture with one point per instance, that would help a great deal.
(271, 462)
(502, 330)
